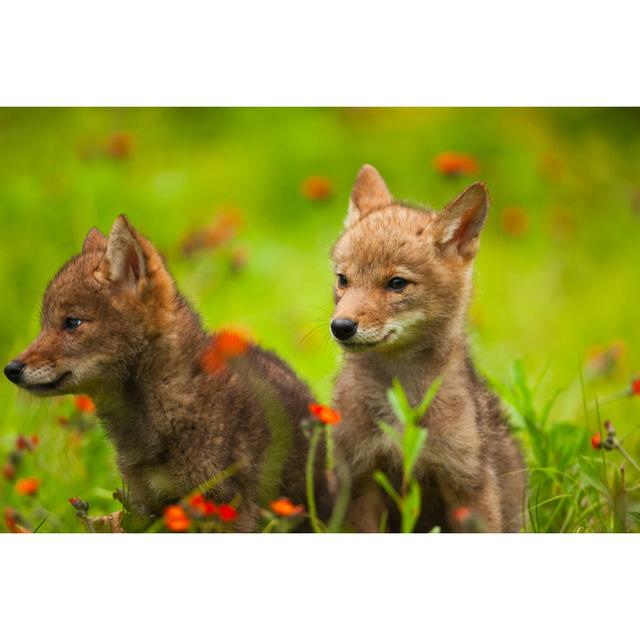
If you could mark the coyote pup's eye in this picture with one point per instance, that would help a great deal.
(71, 324)
(397, 284)
(342, 280)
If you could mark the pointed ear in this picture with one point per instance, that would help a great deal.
(94, 241)
(460, 223)
(368, 194)
(123, 261)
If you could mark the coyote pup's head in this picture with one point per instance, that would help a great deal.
(98, 312)
(403, 274)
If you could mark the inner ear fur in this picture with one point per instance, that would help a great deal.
(460, 223)
(131, 260)
(123, 261)
(369, 193)
(95, 241)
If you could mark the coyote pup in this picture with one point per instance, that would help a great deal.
(115, 327)
(403, 284)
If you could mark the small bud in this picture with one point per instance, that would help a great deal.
(8, 471)
(81, 507)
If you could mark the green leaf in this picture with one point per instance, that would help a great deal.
(384, 482)
(593, 476)
(413, 442)
(398, 401)
(546, 410)
(428, 398)
(411, 507)
(391, 432)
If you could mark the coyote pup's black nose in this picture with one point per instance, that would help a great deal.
(13, 370)
(343, 328)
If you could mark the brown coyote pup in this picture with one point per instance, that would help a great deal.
(403, 283)
(115, 327)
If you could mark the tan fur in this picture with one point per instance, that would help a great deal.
(416, 335)
(138, 354)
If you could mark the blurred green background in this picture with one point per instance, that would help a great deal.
(246, 203)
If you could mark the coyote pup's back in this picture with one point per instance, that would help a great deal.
(403, 283)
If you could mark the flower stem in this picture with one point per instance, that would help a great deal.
(311, 500)
(627, 457)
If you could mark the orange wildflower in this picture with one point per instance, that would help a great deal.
(223, 347)
(12, 521)
(227, 513)
(21, 443)
(635, 387)
(175, 518)
(325, 414)
(120, 145)
(596, 441)
(460, 514)
(35, 440)
(316, 188)
(514, 221)
(224, 227)
(8, 471)
(284, 508)
(27, 486)
(451, 163)
(84, 404)
(202, 505)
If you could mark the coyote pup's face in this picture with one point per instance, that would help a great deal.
(403, 274)
(98, 312)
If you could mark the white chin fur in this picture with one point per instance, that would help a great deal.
(403, 328)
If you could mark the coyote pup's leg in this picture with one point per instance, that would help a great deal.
(367, 507)
(483, 501)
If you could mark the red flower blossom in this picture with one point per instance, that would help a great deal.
(514, 221)
(79, 505)
(223, 347)
(316, 188)
(12, 521)
(325, 414)
(450, 163)
(175, 518)
(460, 514)
(8, 471)
(120, 145)
(223, 228)
(84, 404)
(30, 443)
(27, 486)
(205, 507)
(227, 513)
(635, 387)
(596, 441)
(284, 508)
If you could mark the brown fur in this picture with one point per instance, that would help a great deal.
(416, 335)
(138, 354)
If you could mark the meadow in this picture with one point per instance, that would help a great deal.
(245, 205)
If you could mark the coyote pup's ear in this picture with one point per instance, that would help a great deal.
(368, 194)
(460, 223)
(94, 242)
(123, 261)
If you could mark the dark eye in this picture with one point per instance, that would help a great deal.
(342, 280)
(71, 324)
(397, 284)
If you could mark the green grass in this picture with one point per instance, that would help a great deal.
(547, 298)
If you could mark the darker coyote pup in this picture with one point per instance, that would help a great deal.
(115, 327)
(403, 283)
